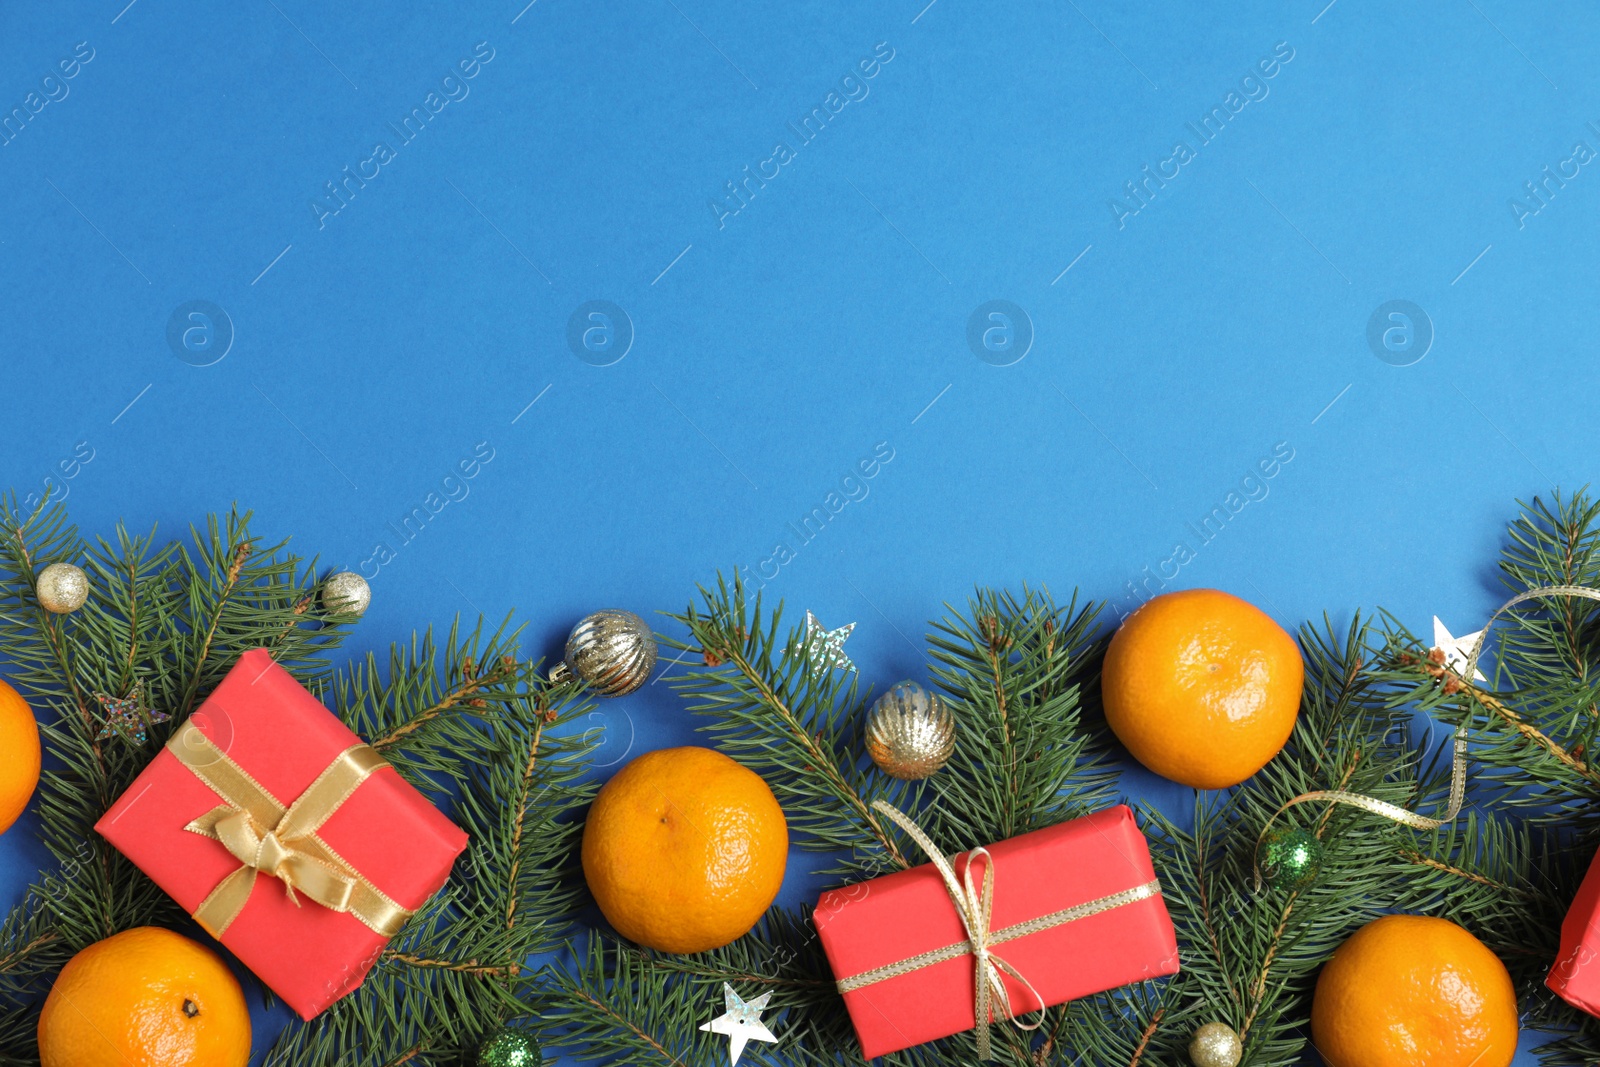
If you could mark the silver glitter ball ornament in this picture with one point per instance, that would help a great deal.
(63, 588)
(346, 593)
(1215, 1045)
(910, 732)
(612, 652)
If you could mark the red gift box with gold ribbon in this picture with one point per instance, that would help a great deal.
(1036, 920)
(289, 839)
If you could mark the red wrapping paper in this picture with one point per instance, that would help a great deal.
(893, 918)
(279, 733)
(1575, 977)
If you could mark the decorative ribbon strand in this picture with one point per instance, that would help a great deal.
(281, 842)
(975, 909)
(1458, 763)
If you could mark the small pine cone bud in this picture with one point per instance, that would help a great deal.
(1436, 656)
(711, 658)
(1452, 685)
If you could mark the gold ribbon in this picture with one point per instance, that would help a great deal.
(1458, 763)
(975, 908)
(281, 842)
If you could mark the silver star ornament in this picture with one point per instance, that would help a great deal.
(828, 645)
(1456, 649)
(741, 1022)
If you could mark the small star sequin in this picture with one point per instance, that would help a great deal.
(826, 645)
(127, 717)
(741, 1022)
(1456, 649)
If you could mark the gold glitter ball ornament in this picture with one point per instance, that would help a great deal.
(910, 732)
(63, 588)
(1215, 1045)
(612, 652)
(346, 593)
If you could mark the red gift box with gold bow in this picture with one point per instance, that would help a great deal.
(289, 839)
(997, 933)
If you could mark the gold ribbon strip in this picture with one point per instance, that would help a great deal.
(281, 842)
(975, 908)
(1001, 936)
(1458, 763)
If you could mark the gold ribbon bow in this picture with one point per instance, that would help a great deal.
(1458, 762)
(281, 841)
(975, 907)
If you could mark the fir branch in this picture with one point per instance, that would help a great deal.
(782, 711)
(19, 1027)
(1534, 723)
(613, 1004)
(472, 966)
(1144, 1038)
(1017, 672)
(431, 705)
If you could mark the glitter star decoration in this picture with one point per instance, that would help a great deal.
(127, 717)
(741, 1022)
(827, 645)
(1456, 649)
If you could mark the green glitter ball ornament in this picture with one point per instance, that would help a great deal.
(510, 1047)
(1289, 858)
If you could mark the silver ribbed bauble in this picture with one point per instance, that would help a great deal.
(1215, 1045)
(346, 593)
(612, 651)
(62, 588)
(910, 732)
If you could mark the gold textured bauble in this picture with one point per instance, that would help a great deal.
(1215, 1045)
(910, 732)
(611, 651)
(346, 593)
(63, 588)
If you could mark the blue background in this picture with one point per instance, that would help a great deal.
(774, 347)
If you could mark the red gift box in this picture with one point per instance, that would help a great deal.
(267, 724)
(1576, 975)
(1089, 884)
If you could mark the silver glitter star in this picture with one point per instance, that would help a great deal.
(127, 717)
(828, 645)
(741, 1022)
